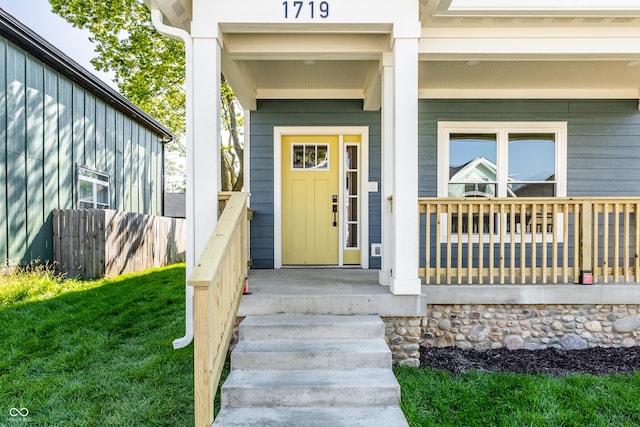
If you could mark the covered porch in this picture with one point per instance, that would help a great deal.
(396, 61)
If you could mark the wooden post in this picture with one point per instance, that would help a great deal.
(586, 244)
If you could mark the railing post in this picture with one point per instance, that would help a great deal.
(586, 243)
(204, 353)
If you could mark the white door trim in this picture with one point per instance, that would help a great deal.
(363, 131)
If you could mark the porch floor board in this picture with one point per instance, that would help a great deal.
(324, 291)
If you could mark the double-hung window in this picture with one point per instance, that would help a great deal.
(502, 159)
(93, 189)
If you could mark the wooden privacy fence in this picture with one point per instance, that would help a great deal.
(529, 240)
(97, 242)
(218, 280)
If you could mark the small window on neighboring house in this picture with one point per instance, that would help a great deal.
(93, 189)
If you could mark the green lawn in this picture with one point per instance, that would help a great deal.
(98, 353)
(95, 353)
(436, 398)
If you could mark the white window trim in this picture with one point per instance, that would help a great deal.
(94, 182)
(502, 130)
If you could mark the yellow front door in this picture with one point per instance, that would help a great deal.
(310, 208)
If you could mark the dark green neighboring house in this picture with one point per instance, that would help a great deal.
(67, 140)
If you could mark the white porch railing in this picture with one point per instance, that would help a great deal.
(529, 240)
(218, 280)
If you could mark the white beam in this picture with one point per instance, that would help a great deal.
(532, 43)
(279, 46)
(309, 94)
(241, 81)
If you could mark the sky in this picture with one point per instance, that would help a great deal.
(37, 15)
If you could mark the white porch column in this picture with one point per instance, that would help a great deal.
(206, 139)
(404, 278)
(388, 129)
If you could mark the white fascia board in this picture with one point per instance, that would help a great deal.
(298, 28)
(541, 7)
(286, 12)
(447, 43)
(523, 93)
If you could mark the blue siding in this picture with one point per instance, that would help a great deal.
(48, 125)
(302, 113)
(603, 144)
(603, 152)
(603, 147)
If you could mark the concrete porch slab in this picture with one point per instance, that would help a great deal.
(325, 291)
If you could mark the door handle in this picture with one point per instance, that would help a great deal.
(334, 200)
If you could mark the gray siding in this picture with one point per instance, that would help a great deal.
(48, 126)
(603, 147)
(302, 113)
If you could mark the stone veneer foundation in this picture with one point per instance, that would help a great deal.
(531, 327)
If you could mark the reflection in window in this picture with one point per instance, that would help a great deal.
(472, 165)
(93, 189)
(310, 156)
(532, 163)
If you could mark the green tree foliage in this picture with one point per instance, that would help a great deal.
(149, 70)
(233, 152)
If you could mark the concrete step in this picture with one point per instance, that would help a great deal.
(383, 304)
(305, 388)
(311, 371)
(305, 327)
(312, 417)
(311, 354)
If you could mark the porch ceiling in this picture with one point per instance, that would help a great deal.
(577, 48)
(354, 79)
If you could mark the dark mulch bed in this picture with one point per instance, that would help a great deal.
(595, 361)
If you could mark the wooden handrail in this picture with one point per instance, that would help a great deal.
(529, 240)
(218, 280)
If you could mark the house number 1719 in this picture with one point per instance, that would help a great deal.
(303, 9)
